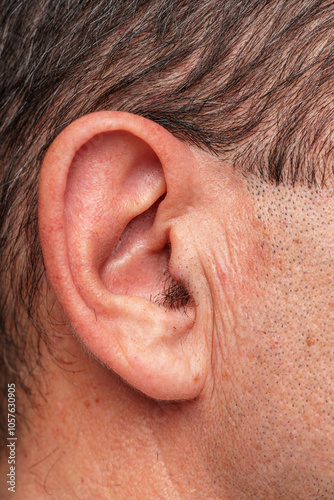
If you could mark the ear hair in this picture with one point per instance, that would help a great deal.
(174, 294)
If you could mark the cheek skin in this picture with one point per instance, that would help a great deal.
(272, 295)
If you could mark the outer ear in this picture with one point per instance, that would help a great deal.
(111, 189)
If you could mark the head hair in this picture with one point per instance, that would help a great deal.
(248, 80)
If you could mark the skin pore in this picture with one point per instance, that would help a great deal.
(277, 395)
(259, 272)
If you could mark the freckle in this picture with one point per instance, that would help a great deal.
(97, 400)
(309, 341)
(87, 404)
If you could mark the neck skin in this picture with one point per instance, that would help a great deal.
(95, 437)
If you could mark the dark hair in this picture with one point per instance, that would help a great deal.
(251, 79)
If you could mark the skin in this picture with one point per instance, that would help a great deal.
(257, 262)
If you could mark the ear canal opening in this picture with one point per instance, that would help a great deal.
(135, 268)
(174, 294)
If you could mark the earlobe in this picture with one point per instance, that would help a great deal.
(104, 219)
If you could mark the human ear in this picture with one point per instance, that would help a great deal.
(111, 192)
